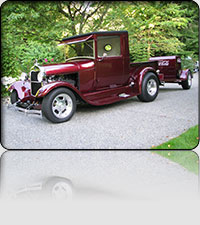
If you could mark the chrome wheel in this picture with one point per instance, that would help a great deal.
(151, 87)
(61, 191)
(62, 106)
(59, 105)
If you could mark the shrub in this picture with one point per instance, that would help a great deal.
(20, 58)
(188, 63)
(44, 53)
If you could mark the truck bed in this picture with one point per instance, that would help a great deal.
(138, 64)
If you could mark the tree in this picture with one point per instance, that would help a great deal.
(46, 23)
(154, 27)
(29, 29)
(50, 21)
(189, 35)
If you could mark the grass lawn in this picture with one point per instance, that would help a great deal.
(187, 140)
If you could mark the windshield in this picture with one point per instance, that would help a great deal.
(79, 50)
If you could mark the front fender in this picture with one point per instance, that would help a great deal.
(45, 89)
(23, 89)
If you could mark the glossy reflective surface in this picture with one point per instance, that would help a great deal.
(151, 87)
(62, 106)
(102, 79)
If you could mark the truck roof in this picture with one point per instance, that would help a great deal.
(96, 32)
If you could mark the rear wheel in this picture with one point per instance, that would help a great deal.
(187, 84)
(150, 88)
(59, 105)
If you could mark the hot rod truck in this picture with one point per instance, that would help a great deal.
(97, 71)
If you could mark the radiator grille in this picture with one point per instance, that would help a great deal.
(35, 85)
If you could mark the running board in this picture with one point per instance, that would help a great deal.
(123, 95)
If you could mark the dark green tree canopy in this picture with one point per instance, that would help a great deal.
(32, 29)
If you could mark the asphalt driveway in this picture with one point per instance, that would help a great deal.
(129, 124)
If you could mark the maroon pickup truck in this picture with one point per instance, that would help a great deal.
(97, 71)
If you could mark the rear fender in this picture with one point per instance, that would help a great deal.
(140, 76)
(23, 89)
(184, 74)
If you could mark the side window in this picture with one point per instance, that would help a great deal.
(109, 46)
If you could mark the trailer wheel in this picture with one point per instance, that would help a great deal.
(186, 84)
(59, 105)
(150, 87)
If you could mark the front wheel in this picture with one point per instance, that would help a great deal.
(187, 84)
(14, 97)
(58, 188)
(59, 105)
(150, 87)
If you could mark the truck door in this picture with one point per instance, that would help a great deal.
(109, 63)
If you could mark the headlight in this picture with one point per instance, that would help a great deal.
(40, 76)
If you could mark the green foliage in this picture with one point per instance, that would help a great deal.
(189, 35)
(4, 91)
(9, 56)
(188, 63)
(32, 30)
(154, 27)
(20, 58)
(28, 53)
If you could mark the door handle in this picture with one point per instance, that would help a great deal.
(100, 60)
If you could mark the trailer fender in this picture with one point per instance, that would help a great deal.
(184, 74)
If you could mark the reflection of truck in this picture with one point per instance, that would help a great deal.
(98, 71)
(56, 188)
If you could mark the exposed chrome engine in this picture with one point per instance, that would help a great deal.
(70, 78)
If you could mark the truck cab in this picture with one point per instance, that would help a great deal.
(110, 54)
